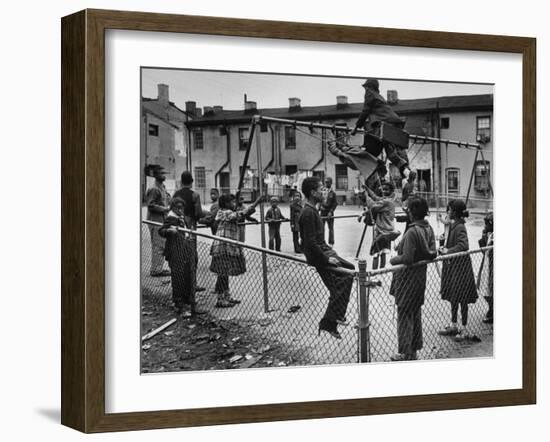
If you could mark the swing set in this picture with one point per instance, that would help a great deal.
(388, 134)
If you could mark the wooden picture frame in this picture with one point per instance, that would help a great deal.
(83, 220)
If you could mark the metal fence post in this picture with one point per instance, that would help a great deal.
(262, 221)
(364, 326)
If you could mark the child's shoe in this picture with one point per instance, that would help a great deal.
(223, 303)
(450, 330)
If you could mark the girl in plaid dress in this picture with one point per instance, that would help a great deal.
(457, 276)
(228, 258)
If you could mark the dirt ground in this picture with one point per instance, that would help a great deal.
(209, 343)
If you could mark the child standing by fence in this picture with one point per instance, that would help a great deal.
(487, 240)
(180, 252)
(383, 212)
(295, 210)
(210, 216)
(457, 276)
(228, 258)
(274, 217)
(409, 284)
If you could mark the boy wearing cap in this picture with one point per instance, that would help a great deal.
(193, 208)
(157, 199)
(274, 217)
(377, 111)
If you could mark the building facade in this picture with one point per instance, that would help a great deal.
(164, 138)
(216, 143)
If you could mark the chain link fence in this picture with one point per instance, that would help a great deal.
(399, 316)
(282, 300)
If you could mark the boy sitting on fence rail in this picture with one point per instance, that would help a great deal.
(325, 260)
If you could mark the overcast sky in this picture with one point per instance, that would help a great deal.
(227, 89)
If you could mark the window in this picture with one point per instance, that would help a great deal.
(483, 129)
(200, 177)
(154, 130)
(290, 137)
(341, 172)
(445, 123)
(453, 180)
(225, 182)
(395, 176)
(482, 175)
(319, 174)
(291, 169)
(243, 138)
(342, 138)
(198, 139)
(250, 181)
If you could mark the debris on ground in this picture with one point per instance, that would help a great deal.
(158, 329)
(235, 358)
(208, 343)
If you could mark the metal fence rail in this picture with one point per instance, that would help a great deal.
(457, 275)
(283, 299)
(281, 306)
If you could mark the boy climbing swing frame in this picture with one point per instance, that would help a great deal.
(84, 231)
(387, 133)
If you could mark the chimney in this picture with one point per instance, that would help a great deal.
(164, 96)
(191, 108)
(341, 102)
(218, 109)
(208, 111)
(392, 97)
(294, 104)
(250, 107)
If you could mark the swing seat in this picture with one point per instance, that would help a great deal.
(394, 135)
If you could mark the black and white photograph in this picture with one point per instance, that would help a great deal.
(301, 220)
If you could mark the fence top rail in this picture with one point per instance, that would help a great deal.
(371, 273)
(250, 223)
(464, 144)
(251, 247)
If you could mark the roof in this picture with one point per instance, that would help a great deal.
(458, 103)
(161, 117)
(154, 106)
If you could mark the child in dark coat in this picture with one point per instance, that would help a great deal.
(295, 210)
(273, 218)
(409, 284)
(325, 260)
(487, 240)
(180, 253)
(457, 276)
